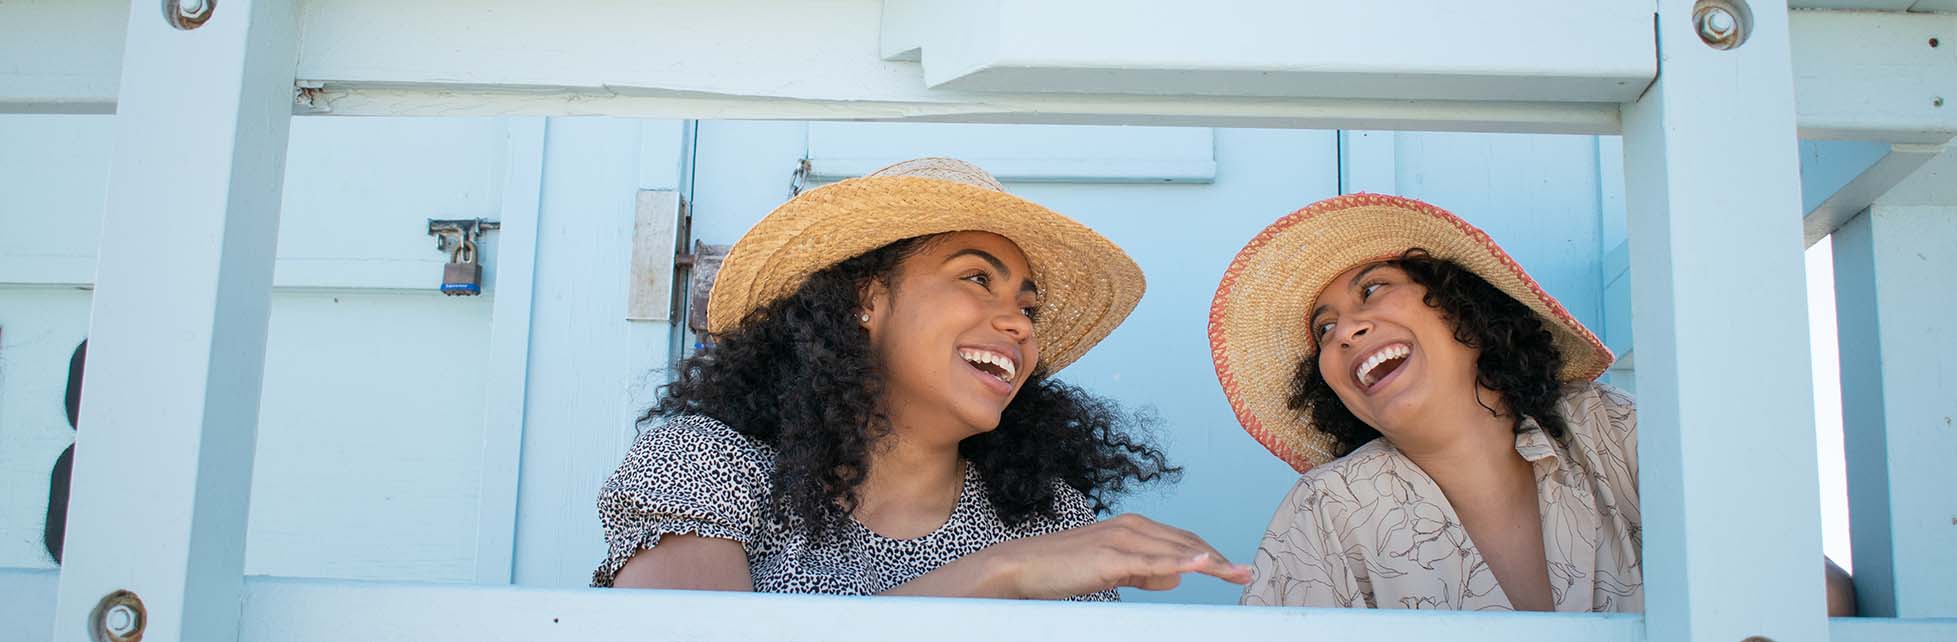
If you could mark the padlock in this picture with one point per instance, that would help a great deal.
(463, 275)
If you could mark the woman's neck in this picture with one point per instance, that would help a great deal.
(1472, 455)
(911, 485)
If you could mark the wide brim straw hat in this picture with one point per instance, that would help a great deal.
(1087, 285)
(1258, 324)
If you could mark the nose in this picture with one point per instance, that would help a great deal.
(1014, 323)
(1350, 330)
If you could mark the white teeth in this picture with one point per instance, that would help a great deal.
(1364, 373)
(1002, 361)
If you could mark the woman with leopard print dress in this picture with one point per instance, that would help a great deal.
(877, 414)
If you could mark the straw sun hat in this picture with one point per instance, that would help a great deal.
(1258, 332)
(1087, 284)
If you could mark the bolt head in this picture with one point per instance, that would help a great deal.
(120, 620)
(1717, 24)
(193, 8)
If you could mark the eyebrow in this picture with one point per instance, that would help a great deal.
(1026, 286)
(1323, 308)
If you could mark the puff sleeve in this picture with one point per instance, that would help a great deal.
(691, 475)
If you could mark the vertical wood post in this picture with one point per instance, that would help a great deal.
(1893, 265)
(1732, 532)
(177, 333)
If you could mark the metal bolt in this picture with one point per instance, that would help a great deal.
(193, 8)
(121, 620)
(1716, 24)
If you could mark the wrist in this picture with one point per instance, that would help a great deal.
(999, 573)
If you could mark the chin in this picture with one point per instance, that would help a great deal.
(982, 420)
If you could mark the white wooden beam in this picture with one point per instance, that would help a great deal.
(1899, 392)
(1414, 50)
(1859, 75)
(1876, 76)
(62, 56)
(177, 332)
(292, 610)
(1828, 208)
(1732, 529)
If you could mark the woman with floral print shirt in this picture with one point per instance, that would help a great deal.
(1456, 451)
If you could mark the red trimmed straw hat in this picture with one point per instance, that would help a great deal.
(1258, 332)
(1087, 284)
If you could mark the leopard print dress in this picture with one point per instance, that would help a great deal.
(695, 475)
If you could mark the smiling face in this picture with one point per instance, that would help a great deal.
(954, 332)
(1392, 360)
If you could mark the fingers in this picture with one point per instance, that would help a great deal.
(1164, 572)
(1198, 556)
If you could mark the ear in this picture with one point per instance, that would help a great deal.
(875, 304)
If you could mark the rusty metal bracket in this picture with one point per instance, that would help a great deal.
(450, 233)
(701, 266)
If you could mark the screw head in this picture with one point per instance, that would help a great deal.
(193, 8)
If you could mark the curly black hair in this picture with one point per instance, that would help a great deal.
(1518, 361)
(800, 375)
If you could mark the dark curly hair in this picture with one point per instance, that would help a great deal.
(799, 374)
(1518, 361)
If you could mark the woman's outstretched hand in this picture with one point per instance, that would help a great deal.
(1128, 550)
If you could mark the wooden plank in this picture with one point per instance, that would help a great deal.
(1868, 629)
(1899, 393)
(294, 610)
(1732, 532)
(1875, 76)
(580, 368)
(177, 337)
(27, 604)
(1893, 164)
(1420, 49)
(1367, 162)
(509, 351)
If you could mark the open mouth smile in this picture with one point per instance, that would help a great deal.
(1380, 365)
(993, 364)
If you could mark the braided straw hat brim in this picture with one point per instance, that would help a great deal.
(1258, 333)
(1087, 284)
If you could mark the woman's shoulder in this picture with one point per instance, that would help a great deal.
(1362, 463)
(1340, 484)
(1597, 407)
(700, 440)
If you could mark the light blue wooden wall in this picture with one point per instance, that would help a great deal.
(371, 460)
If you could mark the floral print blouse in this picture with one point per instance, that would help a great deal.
(1372, 530)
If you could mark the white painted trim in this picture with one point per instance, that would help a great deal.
(509, 351)
(296, 610)
(490, 614)
(1732, 548)
(178, 324)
